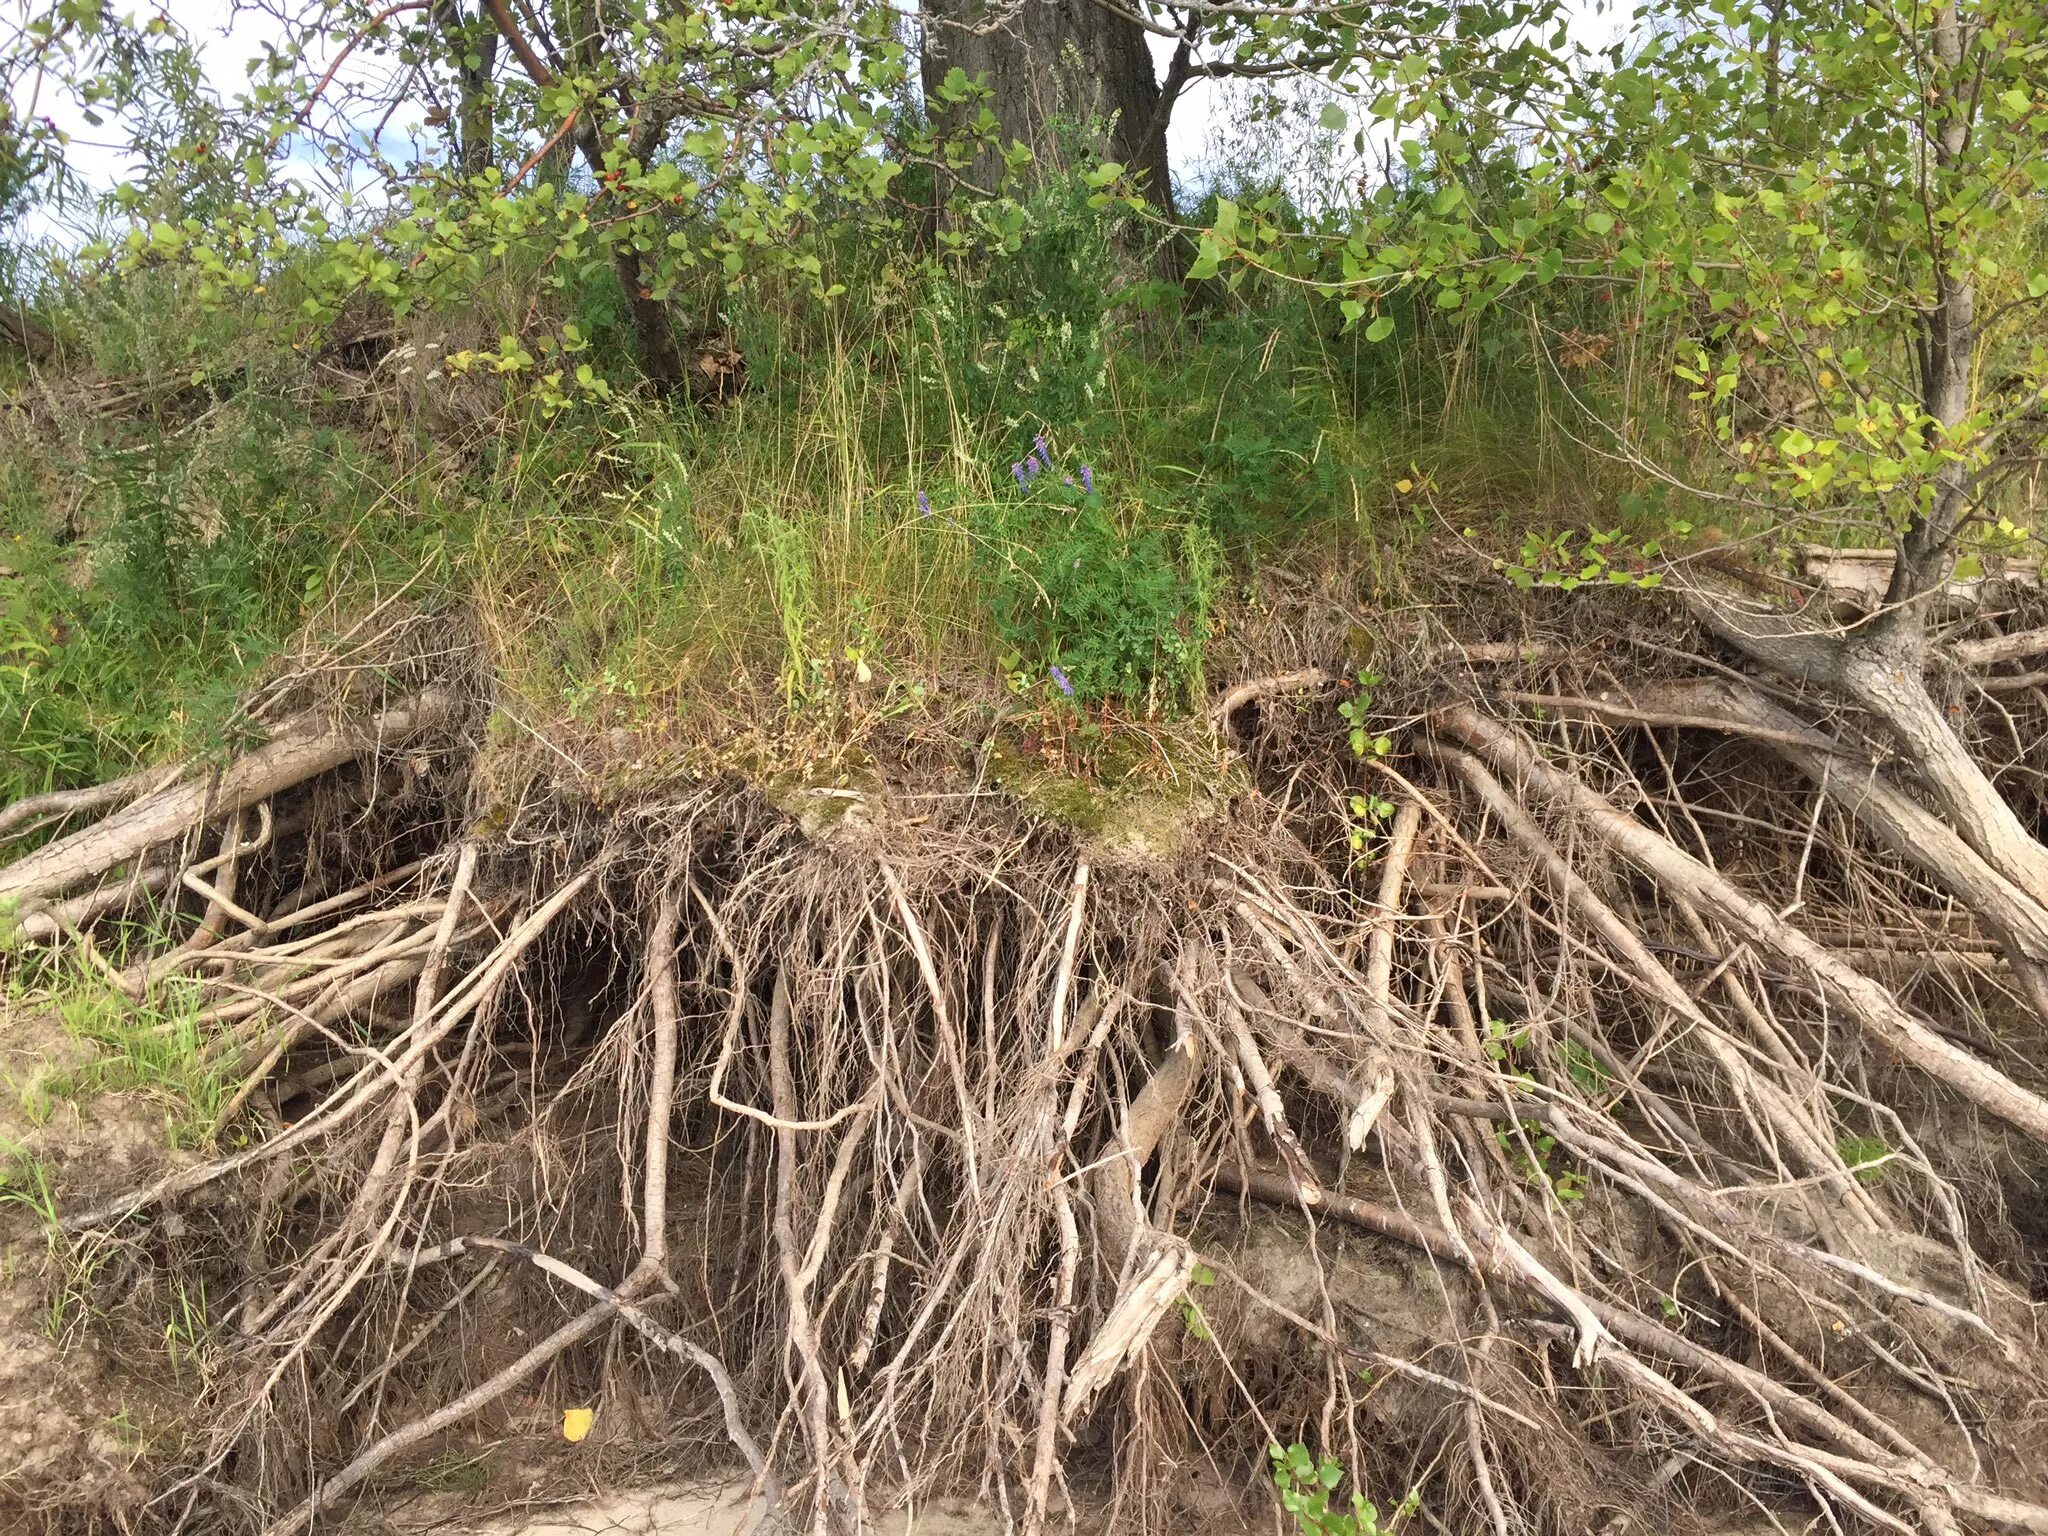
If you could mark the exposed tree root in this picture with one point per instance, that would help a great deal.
(270, 770)
(1863, 999)
(958, 1158)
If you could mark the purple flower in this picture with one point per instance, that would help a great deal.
(1044, 452)
(924, 504)
(1060, 678)
(1017, 473)
(1032, 467)
(1088, 479)
(1066, 479)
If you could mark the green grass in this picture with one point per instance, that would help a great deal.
(157, 572)
(1866, 1157)
(155, 1045)
(455, 1471)
(847, 540)
(842, 544)
(26, 1181)
(188, 1328)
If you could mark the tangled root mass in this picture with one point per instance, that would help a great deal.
(1630, 1129)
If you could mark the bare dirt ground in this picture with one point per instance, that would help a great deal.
(71, 1413)
(670, 1510)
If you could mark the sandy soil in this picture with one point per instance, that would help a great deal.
(675, 1510)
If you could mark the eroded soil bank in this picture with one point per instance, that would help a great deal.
(1578, 1104)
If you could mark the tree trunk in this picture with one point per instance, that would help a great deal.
(1077, 60)
(1893, 688)
(478, 125)
(1881, 664)
(661, 359)
(1881, 667)
(1948, 347)
(476, 107)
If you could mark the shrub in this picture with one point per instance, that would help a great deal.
(1111, 604)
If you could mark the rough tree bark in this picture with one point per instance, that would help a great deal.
(1049, 59)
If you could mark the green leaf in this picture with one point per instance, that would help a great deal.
(1381, 328)
(1599, 220)
(1334, 118)
(1795, 444)
(1865, 1156)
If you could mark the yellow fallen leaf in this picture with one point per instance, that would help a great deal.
(1404, 486)
(576, 1423)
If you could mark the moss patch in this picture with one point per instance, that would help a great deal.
(1138, 796)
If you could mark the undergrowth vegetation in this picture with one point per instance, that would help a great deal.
(157, 568)
(858, 530)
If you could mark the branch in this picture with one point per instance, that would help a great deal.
(1611, 709)
(1261, 687)
(529, 59)
(1177, 75)
(568, 123)
(2014, 647)
(350, 47)
(69, 802)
